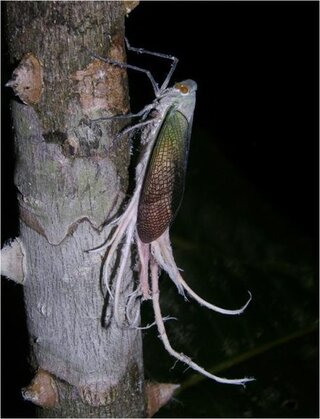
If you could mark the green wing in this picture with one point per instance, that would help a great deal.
(163, 186)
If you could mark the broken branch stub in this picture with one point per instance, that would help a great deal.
(42, 390)
(13, 261)
(27, 80)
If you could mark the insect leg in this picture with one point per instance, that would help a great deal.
(146, 109)
(133, 128)
(163, 335)
(125, 131)
(131, 67)
(157, 54)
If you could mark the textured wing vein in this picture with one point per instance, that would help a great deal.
(164, 181)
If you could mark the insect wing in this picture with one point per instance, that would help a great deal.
(164, 180)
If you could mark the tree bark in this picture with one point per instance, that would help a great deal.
(70, 180)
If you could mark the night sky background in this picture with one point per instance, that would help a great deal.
(256, 68)
(256, 65)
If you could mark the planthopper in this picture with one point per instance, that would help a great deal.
(165, 129)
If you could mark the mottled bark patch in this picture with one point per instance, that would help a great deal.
(100, 86)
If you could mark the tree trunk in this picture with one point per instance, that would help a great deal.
(70, 181)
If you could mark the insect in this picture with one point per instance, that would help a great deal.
(165, 130)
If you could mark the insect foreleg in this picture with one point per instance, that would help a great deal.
(160, 55)
(131, 67)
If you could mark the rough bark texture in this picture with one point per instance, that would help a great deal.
(70, 181)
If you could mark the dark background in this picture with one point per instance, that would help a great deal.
(256, 65)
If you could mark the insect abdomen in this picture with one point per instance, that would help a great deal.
(164, 180)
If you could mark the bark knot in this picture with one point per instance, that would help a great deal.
(157, 395)
(27, 79)
(42, 390)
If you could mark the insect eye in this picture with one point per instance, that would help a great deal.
(182, 87)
